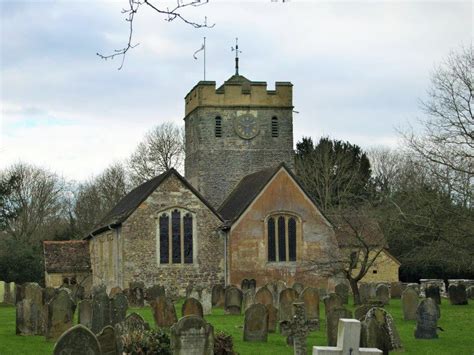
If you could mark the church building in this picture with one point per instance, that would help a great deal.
(239, 211)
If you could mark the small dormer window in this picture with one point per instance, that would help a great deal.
(218, 127)
(274, 126)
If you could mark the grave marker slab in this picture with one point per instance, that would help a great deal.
(342, 290)
(233, 300)
(218, 296)
(264, 296)
(272, 318)
(331, 302)
(297, 329)
(256, 323)
(310, 298)
(192, 336)
(287, 298)
(248, 299)
(409, 303)
(332, 322)
(107, 341)
(60, 315)
(101, 309)
(382, 294)
(433, 291)
(153, 292)
(164, 312)
(85, 313)
(77, 340)
(457, 294)
(192, 306)
(29, 311)
(379, 331)
(118, 308)
(427, 316)
(396, 290)
(245, 285)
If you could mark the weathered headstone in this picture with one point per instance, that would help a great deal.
(2, 291)
(132, 323)
(245, 285)
(297, 329)
(365, 292)
(433, 291)
(298, 287)
(427, 316)
(409, 303)
(396, 290)
(414, 286)
(192, 307)
(253, 284)
(342, 290)
(332, 322)
(108, 341)
(382, 293)
(331, 302)
(233, 300)
(60, 315)
(280, 286)
(136, 294)
(248, 299)
(118, 308)
(29, 311)
(256, 323)
(457, 294)
(287, 298)
(77, 340)
(49, 293)
(192, 336)
(272, 318)
(85, 313)
(100, 309)
(9, 294)
(361, 311)
(218, 296)
(470, 292)
(153, 292)
(379, 331)
(20, 293)
(206, 301)
(348, 341)
(272, 287)
(264, 296)
(310, 298)
(164, 312)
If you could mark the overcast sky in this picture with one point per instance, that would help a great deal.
(358, 70)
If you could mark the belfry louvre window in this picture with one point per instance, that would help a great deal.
(175, 237)
(218, 127)
(275, 127)
(281, 237)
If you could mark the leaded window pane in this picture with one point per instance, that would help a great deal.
(164, 239)
(281, 239)
(188, 238)
(271, 240)
(292, 239)
(176, 236)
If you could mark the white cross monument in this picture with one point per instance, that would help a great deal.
(348, 339)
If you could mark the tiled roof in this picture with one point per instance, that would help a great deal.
(66, 256)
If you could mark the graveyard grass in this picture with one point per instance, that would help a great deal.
(457, 337)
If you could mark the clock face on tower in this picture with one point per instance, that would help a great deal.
(246, 126)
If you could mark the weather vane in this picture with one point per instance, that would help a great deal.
(237, 51)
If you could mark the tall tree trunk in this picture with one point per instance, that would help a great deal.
(355, 291)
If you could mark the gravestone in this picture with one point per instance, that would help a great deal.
(433, 291)
(245, 285)
(361, 311)
(2, 291)
(348, 341)
(379, 331)
(118, 308)
(272, 287)
(77, 340)
(457, 294)
(332, 322)
(153, 292)
(85, 313)
(272, 318)
(60, 315)
(248, 299)
(77, 292)
(206, 301)
(233, 300)
(414, 286)
(264, 296)
(280, 286)
(20, 293)
(29, 311)
(108, 341)
(409, 303)
(287, 298)
(342, 290)
(253, 284)
(365, 292)
(396, 290)
(297, 329)
(382, 294)
(218, 296)
(256, 323)
(192, 336)
(132, 323)
(101, 309)
(427, 316)
(48, 294)
(470, 292)
(331, 302)
(136, 296)
(10, 293)
(114, 291)
(298, 287)
(164, 312)
(310, 298)
(192, 307)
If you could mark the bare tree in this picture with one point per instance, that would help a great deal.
(170, 14)
(160, 150)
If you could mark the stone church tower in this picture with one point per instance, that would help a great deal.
(236, 130)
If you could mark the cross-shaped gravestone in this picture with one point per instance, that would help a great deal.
(348, 338)
(298, 328)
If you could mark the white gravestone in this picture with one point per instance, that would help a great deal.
(348, 338)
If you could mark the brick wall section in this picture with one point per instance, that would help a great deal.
(214, 165)
(316, 241)
(137, 259)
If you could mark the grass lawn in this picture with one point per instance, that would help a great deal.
(457, 337)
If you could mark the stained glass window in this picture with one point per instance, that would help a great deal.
(281, 239)
(164, 239)
(188, 238)
(271, 240)
(176, 236)
(292, 239)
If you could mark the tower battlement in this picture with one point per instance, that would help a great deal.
(239, 91)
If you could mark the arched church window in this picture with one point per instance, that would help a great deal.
(175, 229)
(274, 126)
(218, 127)
(282, 232)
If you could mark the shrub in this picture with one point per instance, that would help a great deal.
(223, 344)
(149, 342)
